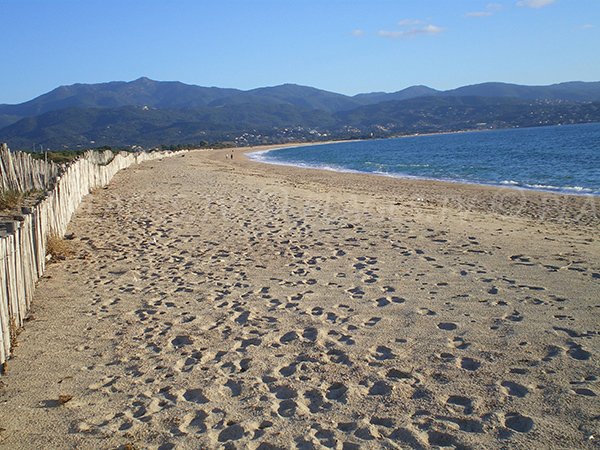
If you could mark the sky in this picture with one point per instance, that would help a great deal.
(345, 46)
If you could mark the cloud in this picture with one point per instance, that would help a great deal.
(534, 3)
(427, 29)
(358, 32)
(587, 26)
(490, 9)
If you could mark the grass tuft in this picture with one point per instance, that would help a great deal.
(57, 247)
(10, 199)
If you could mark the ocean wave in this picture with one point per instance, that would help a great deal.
(413, 166)
(552, 188)
(257, 156)
(559, 188)
(261, 155)
(376, 165)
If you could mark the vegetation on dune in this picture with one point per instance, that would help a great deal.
(11, 199)
(58, 157)
(57, 247)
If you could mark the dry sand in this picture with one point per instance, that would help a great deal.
(225, 303)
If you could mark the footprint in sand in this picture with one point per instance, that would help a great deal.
(577, 352)
(288, 337)
(372, 321)
(288, 371)
(380, 388)
(283, 392)
(316, 401)
(234, 387)
(181, 341)
(552, 352)
(194, 423)
(287, 408)
(401, 375)
(585, 392)
(518, 422)
(381, 353)
(232, 432)
(469, 364)
(337, 392)
(458, 343)
(514, 389)
(462, 402)
(195, 396)
(385, 301)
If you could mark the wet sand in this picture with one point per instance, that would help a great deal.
(217, 303)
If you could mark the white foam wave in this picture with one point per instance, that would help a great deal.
(559, 188)
(261, 155)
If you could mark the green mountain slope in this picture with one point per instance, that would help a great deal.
(176, 95)
(267, 122)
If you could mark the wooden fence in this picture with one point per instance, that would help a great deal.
(23, 245)
(20, 172)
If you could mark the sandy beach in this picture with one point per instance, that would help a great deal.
(223, 303)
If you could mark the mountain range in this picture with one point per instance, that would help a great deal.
(149, 113)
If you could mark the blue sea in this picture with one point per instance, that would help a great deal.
(562, 159)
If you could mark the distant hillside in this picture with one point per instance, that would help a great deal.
(131, 125)
(404, 94)
(176, 95)
(143, 91)
(257, 123)
(577, 91)
(435, 114)
(170, 95)
(291, 94)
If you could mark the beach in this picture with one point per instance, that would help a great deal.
(223, 303)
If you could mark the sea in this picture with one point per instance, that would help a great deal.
(563, 159)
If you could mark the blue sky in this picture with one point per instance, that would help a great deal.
(346, 46)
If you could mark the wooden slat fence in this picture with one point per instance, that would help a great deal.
(23, 247)
(20, 172)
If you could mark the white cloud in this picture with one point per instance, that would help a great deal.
(534, 3)
(358, 32)
(427, 29)
(430, 29)
(490, 9)
(587, 26)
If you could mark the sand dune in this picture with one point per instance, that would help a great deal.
(223, 303)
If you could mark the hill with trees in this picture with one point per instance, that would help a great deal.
(149, 113)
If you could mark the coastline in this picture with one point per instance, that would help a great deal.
(533, 204)
(224, 302)
(509, 184)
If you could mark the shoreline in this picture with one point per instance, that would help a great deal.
(462, 198)
(556, 191)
